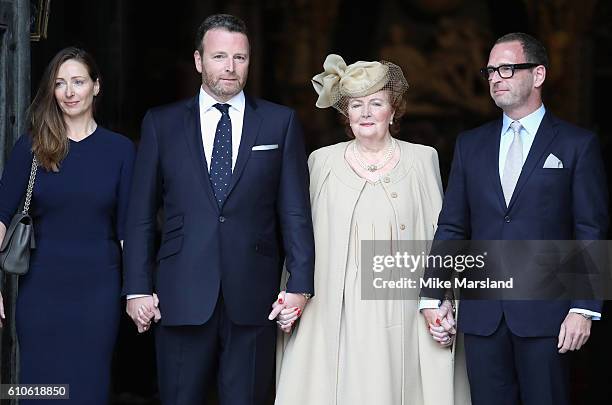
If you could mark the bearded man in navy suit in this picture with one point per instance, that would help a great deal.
(230, 173)
(525, 176)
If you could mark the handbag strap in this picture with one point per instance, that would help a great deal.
(28, 199)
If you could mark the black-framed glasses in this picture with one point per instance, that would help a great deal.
(505, 71)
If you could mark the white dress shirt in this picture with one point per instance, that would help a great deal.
(530, 124)
(210, 116)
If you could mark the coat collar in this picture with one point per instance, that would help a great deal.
(492, 162)
(250, 129)
(193, 135)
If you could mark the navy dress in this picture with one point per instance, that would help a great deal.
(68, 306)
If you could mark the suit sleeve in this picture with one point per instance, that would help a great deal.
(590, 203)
(141, 224)
(590, 194)
(293, 208)
(453, 221)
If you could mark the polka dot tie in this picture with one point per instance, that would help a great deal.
(221, 160)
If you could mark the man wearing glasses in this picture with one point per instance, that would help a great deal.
(525, 176)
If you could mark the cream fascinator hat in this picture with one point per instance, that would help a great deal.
(338, 83)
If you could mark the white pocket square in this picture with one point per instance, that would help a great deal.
(265, 147)
(553, 162)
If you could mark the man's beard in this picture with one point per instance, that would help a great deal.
(223, 91)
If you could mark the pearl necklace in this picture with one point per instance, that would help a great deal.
(372, 167)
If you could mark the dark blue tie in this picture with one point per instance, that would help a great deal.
(221, 160)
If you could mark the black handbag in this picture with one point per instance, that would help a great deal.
(19, 237)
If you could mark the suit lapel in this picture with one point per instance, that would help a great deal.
(193, 135)
(542, 140)
(250, 128)
(492, 162)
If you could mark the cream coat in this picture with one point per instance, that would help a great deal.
(307, 360)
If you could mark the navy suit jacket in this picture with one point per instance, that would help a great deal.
(237, 249)
(547, 204)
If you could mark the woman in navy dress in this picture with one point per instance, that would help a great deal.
(68, 307)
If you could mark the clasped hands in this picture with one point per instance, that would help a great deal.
(143, 311)
(287, 308)
(441, 323)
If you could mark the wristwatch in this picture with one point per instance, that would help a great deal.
(306, 295)
(586, 316)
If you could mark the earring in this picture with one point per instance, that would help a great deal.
(391, 122)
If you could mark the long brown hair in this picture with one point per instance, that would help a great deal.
(46, 122)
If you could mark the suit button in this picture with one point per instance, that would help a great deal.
(222, 219)
(394, 195)
(507, 219)
(402, 227)
(386, 180)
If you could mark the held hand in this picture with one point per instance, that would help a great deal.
(294, 307)
(157, 313)
(145, 316)
(141, 310)
(574, 332)
(447, 317)
(146, 313)
(287, 317)
(287, 309)
(2, 316)
(441, 323)
(277, 307)
(295, 301)
(442, 316)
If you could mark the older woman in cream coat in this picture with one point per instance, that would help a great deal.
(346, 350)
